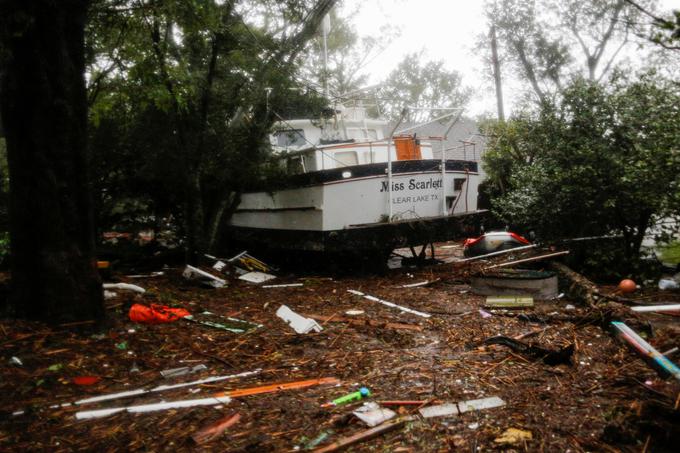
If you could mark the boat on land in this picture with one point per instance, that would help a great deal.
(352, 187)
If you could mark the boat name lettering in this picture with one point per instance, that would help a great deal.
(413, 184)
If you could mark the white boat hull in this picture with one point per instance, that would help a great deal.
(357, 198)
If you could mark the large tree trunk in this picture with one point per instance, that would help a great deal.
(44, 107)
(497, 74)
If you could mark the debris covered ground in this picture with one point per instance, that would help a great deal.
(605, 399)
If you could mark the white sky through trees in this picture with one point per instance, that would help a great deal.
(446, 30)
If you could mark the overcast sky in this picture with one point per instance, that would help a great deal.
(446, 30)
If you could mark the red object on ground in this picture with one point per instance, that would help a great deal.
(627, 286)
(86, 380)
(493, 242)
(156, 314)
(214, 430)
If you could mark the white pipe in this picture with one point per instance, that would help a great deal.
(389, 304)
(444, 210)
(160, 388)
(646, 308)
(124, 286)
(98, 413)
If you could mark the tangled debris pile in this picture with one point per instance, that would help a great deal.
(443, 373)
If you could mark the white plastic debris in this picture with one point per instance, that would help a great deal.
(98, 413)
(191, 272)
(151, 275)
(137, 392)
(174, 372)
(257, 277)
(440, 410)
(219, 265)
(373, 415)
(16, 361)
(660, 308)
(285, 285)
(124, 287)
(668, 283)
(299, 323)
(452, 409)
(389, 304)
(480, 404)
(110, 294)
(415, 285)
(485, 314)
(354, 312)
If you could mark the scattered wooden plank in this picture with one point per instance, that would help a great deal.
(509, 302)
(365, 435)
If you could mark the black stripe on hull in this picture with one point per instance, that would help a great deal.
(316, 178)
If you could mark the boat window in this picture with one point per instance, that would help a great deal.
(450, 204)
(290, 138)
(346, 158)
(296, 165)
(458, 183)
(371, 134)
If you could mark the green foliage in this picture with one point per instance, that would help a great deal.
(670, 253)
(4, 246)
(668, 33)
(182, 96)
(603, 161)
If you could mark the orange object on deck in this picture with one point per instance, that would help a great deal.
(103, 264)
(408, 148)
(277, 387)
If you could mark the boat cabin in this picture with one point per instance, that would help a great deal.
(349, 138)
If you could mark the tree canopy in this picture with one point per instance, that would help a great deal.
(604, 160)
(182, 97)
(548, 43)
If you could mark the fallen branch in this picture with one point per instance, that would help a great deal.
(548, 356)
(528, 260)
